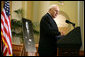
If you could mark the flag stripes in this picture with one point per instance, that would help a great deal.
(6, 30)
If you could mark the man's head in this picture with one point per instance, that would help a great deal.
(53, 10)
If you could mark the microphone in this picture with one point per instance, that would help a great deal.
(67, 21)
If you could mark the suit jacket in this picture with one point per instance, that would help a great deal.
(48, 33)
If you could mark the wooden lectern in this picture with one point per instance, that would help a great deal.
(70, 44)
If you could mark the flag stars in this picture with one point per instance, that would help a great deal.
(7, 11)
(6, 7)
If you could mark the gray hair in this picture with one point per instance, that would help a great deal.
(54, 5)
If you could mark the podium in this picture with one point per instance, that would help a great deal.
(70, 44)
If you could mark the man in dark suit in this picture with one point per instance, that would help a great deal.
(48, 33)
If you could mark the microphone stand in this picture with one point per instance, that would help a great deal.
(73, 25)
(1, 47)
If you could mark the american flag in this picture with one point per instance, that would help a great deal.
(6, 30)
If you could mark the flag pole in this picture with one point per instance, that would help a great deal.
(1, 47)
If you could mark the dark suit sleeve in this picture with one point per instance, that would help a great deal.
(47, 28)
